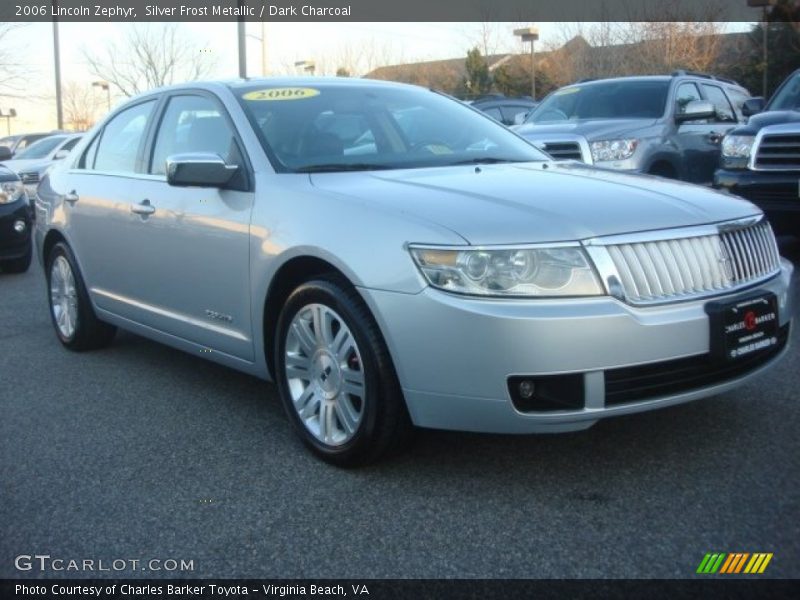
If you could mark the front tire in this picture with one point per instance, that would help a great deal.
(76, 325)
(335, 376)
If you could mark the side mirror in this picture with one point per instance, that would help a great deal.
(201, 169)
(519, 118)
(61, 154)
(753, 106)
(5, 153)
(696, 110)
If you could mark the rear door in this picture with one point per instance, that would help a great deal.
(98, 192)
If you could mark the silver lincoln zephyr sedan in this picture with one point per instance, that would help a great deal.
(391, 257)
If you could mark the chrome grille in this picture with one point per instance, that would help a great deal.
(564, 150)
(778, 152)
(699, 265)
(29, 177)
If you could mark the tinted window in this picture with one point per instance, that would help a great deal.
(494, 113)
(788, 96)
(121, 137)
(87, 160)
(738, 98)
(41, 148)
(192, 124)
(687, 92)
(510, 113)
(604, 100)
(333, 127)
(717, 97)
(71, 144)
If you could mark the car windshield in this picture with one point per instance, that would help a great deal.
(603, 100)
(9, 141)
(360, 127)
(788, 96)
(41, 148)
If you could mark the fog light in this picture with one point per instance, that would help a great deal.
(526, 389)
(19, 226)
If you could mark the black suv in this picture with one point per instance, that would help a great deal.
(760, 160)
(15, 224)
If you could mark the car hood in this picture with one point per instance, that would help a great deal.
(593, 129)
(33, 164)
(536, 202)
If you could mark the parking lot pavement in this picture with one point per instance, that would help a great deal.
(143, 452)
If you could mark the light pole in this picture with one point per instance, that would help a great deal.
(103, 85)
(263, 39)
(763, 5)
(530, 34)
(242, 44)
(11, 114)
(57, 63)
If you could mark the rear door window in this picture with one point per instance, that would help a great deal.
(721, 103)
(118, 145)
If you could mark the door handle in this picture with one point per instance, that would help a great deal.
(143, 208)
(714, 137)
(72, 197)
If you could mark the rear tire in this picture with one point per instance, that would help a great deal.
(76, 325)
(17, 265)
(335, 376)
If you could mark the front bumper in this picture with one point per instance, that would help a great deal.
(777, 193)
(454, 355)
(14, 244)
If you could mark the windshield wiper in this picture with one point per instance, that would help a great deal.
(484, 160)
(334, 167)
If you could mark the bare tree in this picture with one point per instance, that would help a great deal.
(81, 103)
(149, 57)
(12, 72)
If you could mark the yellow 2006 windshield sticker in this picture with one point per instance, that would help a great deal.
(281, 94)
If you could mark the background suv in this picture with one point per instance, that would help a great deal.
(669, 125)
(761, 160)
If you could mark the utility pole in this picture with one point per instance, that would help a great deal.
(530, 34)
(242, 44)
(264, 63)
(57, 62)
(764, 5)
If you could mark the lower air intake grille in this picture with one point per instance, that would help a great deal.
(632, 384)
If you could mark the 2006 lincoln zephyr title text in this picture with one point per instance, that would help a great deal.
(390, 256)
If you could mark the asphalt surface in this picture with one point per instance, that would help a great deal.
(143, 452)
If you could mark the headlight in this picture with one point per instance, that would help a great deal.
(559, 271)
(737, 146)
(10, 191)
(613, 149)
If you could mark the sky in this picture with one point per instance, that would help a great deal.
(328, 44)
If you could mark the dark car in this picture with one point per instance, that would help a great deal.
(506, 110)
(17, 143)
(15, 224)
(760, 160)
(667, 125)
